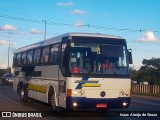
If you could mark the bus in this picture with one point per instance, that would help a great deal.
(75, 71)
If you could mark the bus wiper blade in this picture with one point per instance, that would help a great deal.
(114, 72)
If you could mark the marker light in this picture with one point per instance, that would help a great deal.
(124, 103)
(69, 92)
(75, 104)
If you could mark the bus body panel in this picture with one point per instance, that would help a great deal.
(91, 103)
(112, 86)
(92, 95)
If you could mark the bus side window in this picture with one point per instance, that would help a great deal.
(18, 59)
(54, 53)
(23, 60)
(14, 60)
(63, 51)
(45, 55)
(29, 57)
(36, 58)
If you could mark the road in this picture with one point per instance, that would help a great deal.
(10, 101)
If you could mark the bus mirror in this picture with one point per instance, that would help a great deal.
(130, 57)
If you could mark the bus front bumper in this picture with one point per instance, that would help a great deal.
(75, 103)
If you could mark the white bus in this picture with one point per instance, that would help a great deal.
(75, 71)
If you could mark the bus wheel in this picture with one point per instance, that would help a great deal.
(23, 96)
(52, 101)
(53, 104)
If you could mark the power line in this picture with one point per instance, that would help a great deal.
(20, 19)
(71, 25)
(22, 13)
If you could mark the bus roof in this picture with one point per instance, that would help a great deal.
(59, 39)
(92, 35)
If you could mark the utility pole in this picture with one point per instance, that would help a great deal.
(45, 23)
(8, 54)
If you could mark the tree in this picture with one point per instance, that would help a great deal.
(153, 63)
(150, 71)
(134, 73)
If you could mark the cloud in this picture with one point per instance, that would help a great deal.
(79, 23)
(22, 33)
(64, 4)
(35, 31)
(148, 37)
(8, 28)
(5, 42)
(3, 66)
(78, 12)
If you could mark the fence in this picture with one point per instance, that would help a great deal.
(145, 89)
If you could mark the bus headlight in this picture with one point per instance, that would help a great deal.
(75, 93)
(124, 93)
(78, 93)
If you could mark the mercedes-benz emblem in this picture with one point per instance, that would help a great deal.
(102, 94)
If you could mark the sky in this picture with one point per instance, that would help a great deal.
(22, 22)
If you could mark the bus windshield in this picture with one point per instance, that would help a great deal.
(94, 58)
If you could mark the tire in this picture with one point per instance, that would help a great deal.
(52, 100)
(23, 95)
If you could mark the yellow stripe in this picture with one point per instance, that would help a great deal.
(91, 85)
(39, 88)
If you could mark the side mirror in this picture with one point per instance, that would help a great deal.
(130, 56)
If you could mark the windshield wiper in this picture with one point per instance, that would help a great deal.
(114, 71)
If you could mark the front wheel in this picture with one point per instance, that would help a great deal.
(23, 95)
(52, 100)
(53, 103)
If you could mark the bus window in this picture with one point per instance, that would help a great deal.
(84, 58)
(97, 58)
(114, 56)
(63, 63)
(14, 60)
(54, 53)
(45, 55)
(18, 59)
(23, 60)
(36, 56)
(29, 57)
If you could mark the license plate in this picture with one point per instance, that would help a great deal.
(101, 105)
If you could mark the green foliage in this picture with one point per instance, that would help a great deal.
(150, 72)
(153, 63)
